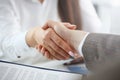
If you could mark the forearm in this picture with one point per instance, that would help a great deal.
(98, 48)
(14, 47)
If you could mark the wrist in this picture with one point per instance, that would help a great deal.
(76, 37)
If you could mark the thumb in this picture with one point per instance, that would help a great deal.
(45, 27)
(70, 26)
(49, 24)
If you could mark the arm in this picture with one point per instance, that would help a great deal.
(12, 39)
(89, 16)
(97, 48)
(16, 44)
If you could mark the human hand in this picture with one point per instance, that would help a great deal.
(73, 37)
(45, 52)
(50, 41)
(70, 36)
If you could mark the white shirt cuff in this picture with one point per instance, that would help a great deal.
(21, 45)
(20, 41)
(81, 44)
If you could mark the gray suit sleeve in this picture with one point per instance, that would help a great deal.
(98, 48)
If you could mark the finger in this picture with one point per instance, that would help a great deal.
(37, 47)
(40, 51)
(47, 55)
(43, 50)
(49, 24)
(53, 53)
(51, 57)
(40, 46)
(57, 49)
(52, 24)
(45, 26)
(70, 26)
(62, 44)
(74, 27)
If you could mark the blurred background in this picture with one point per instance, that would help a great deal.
(109, 13)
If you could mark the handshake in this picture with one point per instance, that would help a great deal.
(56, 40)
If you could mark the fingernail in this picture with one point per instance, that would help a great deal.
(76, 55)
(71, 53)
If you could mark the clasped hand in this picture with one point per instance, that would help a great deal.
(49, 43)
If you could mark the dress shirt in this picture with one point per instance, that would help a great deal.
(18, 16)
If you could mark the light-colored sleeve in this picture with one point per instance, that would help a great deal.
(81, 45)
(90, 19)
(12, 39)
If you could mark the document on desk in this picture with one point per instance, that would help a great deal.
(14, 71)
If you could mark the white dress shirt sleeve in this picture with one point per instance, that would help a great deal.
(81, 44)
(90, 19)
(12, 40)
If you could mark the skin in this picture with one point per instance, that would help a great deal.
(49, 41)
(44, 50)
(41, 1)
(70, 36)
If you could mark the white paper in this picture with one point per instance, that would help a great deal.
(17, 72)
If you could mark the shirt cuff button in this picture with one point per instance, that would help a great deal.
(18, 56)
